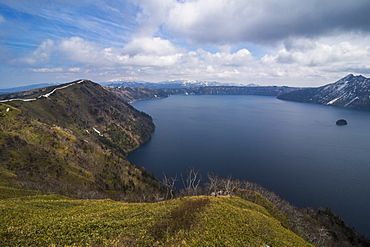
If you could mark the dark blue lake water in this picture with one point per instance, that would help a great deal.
(294, 149)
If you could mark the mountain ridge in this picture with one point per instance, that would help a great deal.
(131, 94)
(350, 91)
(233, 90)
(168, 84)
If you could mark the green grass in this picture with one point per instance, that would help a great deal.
(257, 198)
(9, 192)
(51, 220)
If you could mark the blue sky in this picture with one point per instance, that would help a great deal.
(267, 42)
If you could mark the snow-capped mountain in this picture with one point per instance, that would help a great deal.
(193, 83)
(350, 91)
(165, 84)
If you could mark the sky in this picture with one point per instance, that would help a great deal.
(265, 42)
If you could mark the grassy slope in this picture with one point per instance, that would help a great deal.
(50, 220)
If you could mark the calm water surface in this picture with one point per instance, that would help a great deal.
(294, 149)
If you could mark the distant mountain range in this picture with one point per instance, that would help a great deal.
(168, 84)
(131, 94)
(350, 91)
(235, 90)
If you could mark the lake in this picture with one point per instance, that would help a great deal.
(294, 149)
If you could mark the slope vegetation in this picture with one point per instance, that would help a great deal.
(73, 139)
(193, 221)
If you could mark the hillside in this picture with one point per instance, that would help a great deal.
(350, 91)
(247, 218)
(192, 221)
(72, 139)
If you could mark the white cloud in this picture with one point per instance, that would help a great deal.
(39, 56)
(86, 53)
(55, 70)
(314, 62)
(80, 50)
(240, 58)
(140, 52)
(153, 13)
(74, 69)
(47, 70)
(150, 46)
(323, 55)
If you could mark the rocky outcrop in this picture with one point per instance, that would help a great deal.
(341, 122)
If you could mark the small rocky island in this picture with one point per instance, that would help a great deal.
(341, 122)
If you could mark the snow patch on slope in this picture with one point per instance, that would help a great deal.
(351, 101)
(333, 101)
(97, 131)
(58, 88)
(342, 86)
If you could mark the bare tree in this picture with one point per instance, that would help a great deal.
(213, 184)
(158, 196)
(227, 184)
(191, 182)
(169, 183)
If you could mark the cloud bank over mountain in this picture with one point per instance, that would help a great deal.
(256, 41)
